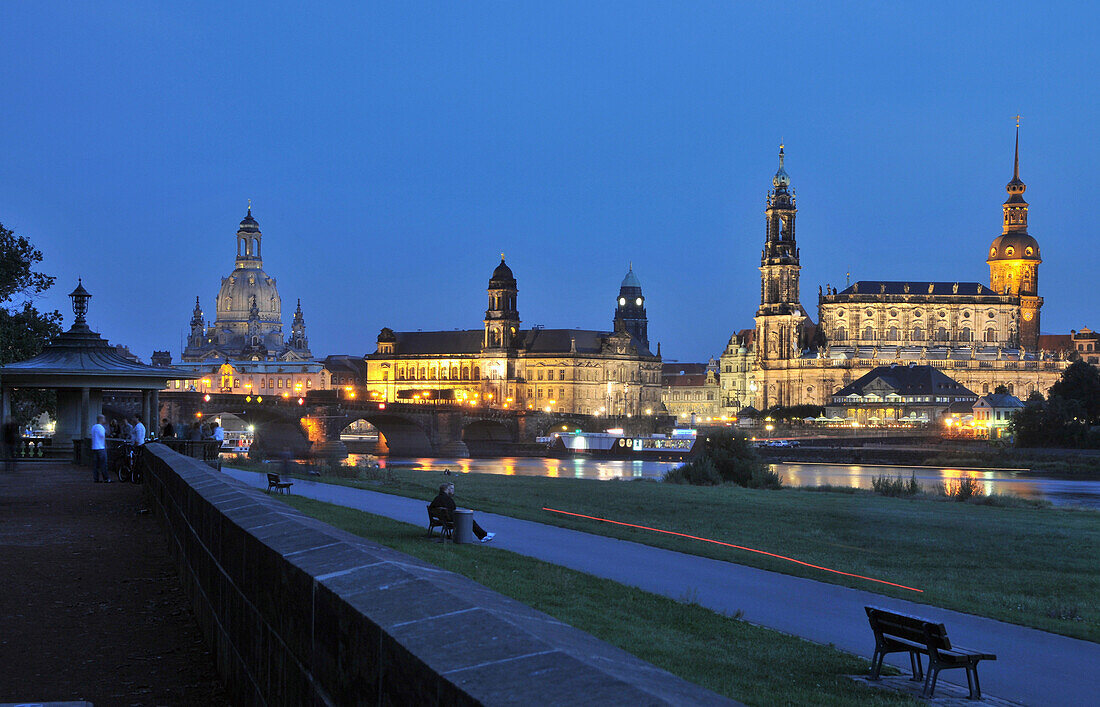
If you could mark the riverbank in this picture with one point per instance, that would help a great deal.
(1040, 461)
(679, 636)
(1035, 567)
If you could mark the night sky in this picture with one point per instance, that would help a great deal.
(392, 153)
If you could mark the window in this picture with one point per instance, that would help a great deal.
(892, 334)
(841, 335)
(287, 382)
(966, 334)
(990, 335)
(279, 381)
(941, 334)
(309, 381)
(561, 374)
(869, 334)
(263, 382)
(918, 334)
(540, 374)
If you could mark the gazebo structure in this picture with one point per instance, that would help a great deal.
(80, 365)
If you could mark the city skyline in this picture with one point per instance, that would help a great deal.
(388, 186)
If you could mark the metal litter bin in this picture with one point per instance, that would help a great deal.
(464, 526)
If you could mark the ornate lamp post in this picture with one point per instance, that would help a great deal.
(80, 298)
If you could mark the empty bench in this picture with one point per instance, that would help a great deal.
(274, 481)
(901, 633)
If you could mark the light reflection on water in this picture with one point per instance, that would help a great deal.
(1074, 491)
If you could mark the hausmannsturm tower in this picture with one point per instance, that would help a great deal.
(1014, 258)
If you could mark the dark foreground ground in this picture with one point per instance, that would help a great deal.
(90, 603)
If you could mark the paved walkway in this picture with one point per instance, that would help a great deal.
(1033, 667)
(91, 607)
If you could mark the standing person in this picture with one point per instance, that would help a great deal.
(219, 433)
(167, 429)
(195, 433)
(445, 501)
(99, 449)
(138, 434)
(12, 438)
(125, 430)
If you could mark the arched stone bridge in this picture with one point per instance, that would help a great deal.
(282, 424)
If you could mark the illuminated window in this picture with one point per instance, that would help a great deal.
(309, 382)
(287, 382)
(561, 374)
(279, 381)
(263, 382)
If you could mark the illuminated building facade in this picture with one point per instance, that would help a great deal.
(243, 350)
(692, 392)
(248, 323)
(984, 336)
(898, 395)
(505, 366)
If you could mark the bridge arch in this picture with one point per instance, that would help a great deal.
(403, 436)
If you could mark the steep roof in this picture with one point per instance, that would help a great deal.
(533, 341)
(908, 380)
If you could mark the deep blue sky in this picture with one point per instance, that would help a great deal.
(392, 152)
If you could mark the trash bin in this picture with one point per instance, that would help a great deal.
(464, 526)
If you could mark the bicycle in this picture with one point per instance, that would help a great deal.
(128, 467)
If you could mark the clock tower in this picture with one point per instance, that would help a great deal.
(630, 308)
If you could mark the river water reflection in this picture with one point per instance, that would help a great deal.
(1059, 491)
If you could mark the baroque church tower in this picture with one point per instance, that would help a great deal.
(630, 309)
(1014, 258)
(780, 317)
(502, 317)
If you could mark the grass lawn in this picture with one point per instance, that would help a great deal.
(1036, 567)
(745, 662)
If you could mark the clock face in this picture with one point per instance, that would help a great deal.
(638, 301)
(1027, 316)
(622, 301)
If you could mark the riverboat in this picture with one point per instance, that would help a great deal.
(236, 442)
(614, 444)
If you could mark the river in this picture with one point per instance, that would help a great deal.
(1060, 491)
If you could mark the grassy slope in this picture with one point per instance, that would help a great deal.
(734, 658)
(1036, 567)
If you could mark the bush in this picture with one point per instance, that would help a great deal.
(764, 478)
(897, 486)
(964, 488)
(697, 472)
(734, 458)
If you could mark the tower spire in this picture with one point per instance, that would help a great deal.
(1016, 163)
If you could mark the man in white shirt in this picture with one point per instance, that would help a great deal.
(99, 449)
(138, 437)
(219, 433)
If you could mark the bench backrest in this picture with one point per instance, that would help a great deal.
(273, 479)
(908, 628)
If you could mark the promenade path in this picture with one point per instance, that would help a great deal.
(91, 606)
(1033, 667)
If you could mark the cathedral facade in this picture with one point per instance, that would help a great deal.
(248, 320)
(505, 366)
(980, 335)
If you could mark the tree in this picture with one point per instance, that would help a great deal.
(24, 331)
(1081, 383)
(1002, 389)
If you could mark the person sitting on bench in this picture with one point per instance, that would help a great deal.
(446, 502)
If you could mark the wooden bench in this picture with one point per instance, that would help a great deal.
(901, 633)
(274, 481)
(441, 517)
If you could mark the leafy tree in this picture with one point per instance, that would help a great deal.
(1002, 389)
(24, 331)
(1081, 383)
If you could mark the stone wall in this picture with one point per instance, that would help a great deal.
(298, 612)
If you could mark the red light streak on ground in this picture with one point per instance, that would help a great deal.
(738, 547)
